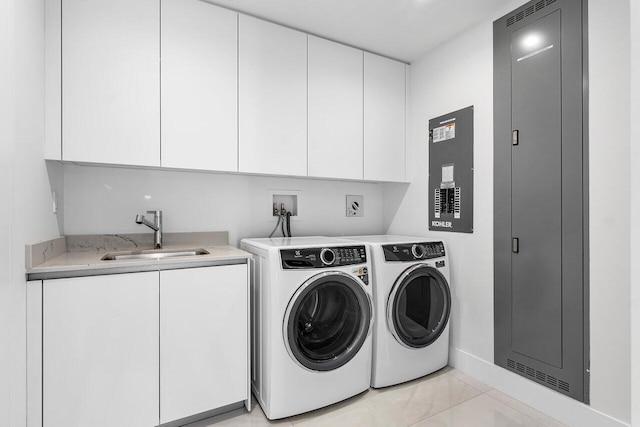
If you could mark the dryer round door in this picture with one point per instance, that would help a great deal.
(327, 321)
(419, 306)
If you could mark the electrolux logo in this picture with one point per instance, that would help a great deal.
(444, 224)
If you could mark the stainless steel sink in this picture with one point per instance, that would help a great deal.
(153, 254)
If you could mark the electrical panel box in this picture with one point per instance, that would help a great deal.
(451, 172)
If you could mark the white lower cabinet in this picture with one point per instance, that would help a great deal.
(203, 340)
(100, 351)
(138, 349)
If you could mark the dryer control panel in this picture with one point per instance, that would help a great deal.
(322, 257)
(413, 251)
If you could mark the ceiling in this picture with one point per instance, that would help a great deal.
(400, 29)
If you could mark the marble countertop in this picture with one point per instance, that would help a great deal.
(64, 257)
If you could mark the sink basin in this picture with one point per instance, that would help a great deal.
(153, 254)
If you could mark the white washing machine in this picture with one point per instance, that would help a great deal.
(412, 305)
(311, 322)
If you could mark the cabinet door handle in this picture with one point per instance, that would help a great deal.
(515, 137)
(515, 245)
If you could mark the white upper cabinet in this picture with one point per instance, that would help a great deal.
(188, 85)
(384, 119)
(52, 80)
(272, 98)
(110, 81)
(335, 110)
(199, 86)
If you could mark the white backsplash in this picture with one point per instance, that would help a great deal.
(101, 200)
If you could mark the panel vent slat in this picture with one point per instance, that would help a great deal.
(539, 376)
(530, 10)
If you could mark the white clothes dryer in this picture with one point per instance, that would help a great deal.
(412, 305)
(311, 322)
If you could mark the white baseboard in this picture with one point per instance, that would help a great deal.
(556, 405)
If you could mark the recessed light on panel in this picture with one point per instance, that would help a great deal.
(532, 41)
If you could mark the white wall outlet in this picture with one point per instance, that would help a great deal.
(289, 199)
(355, 205)
(54, 197)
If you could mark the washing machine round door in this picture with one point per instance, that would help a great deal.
(327, 321)
(419, 306)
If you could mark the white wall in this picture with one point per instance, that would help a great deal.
(454, 76)
(7, 132)
(25, 186)
(635, 213)
(458, 74)
(609, 85)
(101, 200)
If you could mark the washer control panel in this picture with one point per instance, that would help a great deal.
(322, 257)
(413, 251)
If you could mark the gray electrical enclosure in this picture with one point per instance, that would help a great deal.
(451, 172)
(541, 195)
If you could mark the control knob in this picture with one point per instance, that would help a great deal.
(327, 256)
(418, 251)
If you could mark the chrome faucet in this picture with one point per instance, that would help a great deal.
(156, 226)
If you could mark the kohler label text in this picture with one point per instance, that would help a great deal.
(445, 224)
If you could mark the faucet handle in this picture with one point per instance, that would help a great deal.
(156, 213)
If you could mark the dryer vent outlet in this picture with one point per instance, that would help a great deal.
(355, 206)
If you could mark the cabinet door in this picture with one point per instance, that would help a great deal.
(272, 98)
(199, 86)
(335, 110)
(384, 118)
(111, 81)
(203, 339)
(100, 351)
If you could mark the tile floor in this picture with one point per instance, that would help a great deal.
(446, 398)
